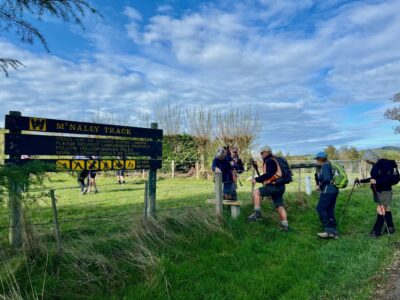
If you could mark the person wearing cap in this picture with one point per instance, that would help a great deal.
(270, 188)
(328, 193)
(224, 164)
(382, 192)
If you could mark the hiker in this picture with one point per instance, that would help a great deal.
(271, 188)
(238, 163)
(92, 177)
(223, 164)
(328, 193)
(384, 174)
(81, 180)
(121, 173)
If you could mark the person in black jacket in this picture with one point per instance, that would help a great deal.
(225, 165)
(239, 168)
(270, 188)
(382, 191)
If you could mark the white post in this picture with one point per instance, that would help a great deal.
(299, 180)
(173, 169)
(308, 185)
(197, 170)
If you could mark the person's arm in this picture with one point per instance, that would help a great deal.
(325, 177)
(239, 166)
(214, 165)
(271, 171)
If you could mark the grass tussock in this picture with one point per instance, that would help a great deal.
(92, 264)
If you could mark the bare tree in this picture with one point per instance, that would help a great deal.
(13, 12)
(200, 125)
(169, 117)
(394, 112)
(239, 126)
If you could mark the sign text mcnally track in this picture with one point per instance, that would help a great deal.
(61, 126)
(17, 144)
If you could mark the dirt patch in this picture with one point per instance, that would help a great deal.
(388, 287)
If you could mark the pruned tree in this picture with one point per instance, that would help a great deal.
(200, 125)
(169, 117)
(394, 112)
(13, 14)
(240, 126)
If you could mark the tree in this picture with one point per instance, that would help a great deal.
(394, 112)
(332, 152)
(13, 14)
(200, 124)
(169, 117)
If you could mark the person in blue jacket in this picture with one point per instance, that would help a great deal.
(328, 193)
(225, 165)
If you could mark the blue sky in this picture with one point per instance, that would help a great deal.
(317, 72)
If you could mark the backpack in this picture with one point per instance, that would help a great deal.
(285, 168)
(340, 179)
(389, 167)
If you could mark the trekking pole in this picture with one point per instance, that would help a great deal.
(347, 203)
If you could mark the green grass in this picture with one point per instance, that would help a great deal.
(186, 256)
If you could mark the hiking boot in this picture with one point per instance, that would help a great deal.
(389, 230)
(84, 191)
(285, 228)
(374, 234)
(326, 235)
(255, 216)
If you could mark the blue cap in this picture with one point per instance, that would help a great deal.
(321, 155)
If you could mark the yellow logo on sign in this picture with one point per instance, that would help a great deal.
(118, 164)
(130, 164)
(92, 164)
(62, 164)
(78, 165)
(106, 165)
(37, 124)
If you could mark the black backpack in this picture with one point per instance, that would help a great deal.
(389, 168)
(285, 168)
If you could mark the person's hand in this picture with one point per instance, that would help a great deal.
(253, 181)
(217, 171)
(232, 163)
(373, 181)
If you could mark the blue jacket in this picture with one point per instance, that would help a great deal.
(324, 179)
(225, 166)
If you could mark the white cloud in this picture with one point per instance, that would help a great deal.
(299, 74)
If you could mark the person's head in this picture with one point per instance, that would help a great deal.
(370, 157)
(221, 153)
(265, 151)
(321, 158)
(235, 151)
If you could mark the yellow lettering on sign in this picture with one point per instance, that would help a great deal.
(118, 164)
(130, 164)
(60, 126)
(92, 164)
(37, 124)
(106, 165)
(78, 165)
(62, 164)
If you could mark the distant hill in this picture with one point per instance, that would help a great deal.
(391, 148)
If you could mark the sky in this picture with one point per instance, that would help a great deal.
(315, 72)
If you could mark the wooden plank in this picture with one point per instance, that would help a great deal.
(64, 126)
(225, 202)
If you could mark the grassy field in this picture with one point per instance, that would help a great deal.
(186, 253)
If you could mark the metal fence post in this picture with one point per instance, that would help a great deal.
(55, 221)
(218, 194)
(146, 202)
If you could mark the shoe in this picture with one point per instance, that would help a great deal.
(119, 182)
(96, 191)
(326, 235)
(285, 228)
(389, 230)
(373, 234)
(84, 191)
(255, 216)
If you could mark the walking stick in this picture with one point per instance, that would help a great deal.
(347, 203)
